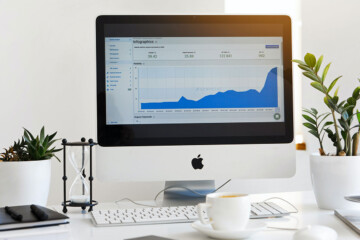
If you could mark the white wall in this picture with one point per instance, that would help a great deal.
(331, 28)
(47, 71)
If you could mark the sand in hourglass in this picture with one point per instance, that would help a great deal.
(80, 199)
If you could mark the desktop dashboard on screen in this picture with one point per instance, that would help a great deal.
(194, 80)
(164, 80)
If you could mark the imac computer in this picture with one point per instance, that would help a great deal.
(194, 98)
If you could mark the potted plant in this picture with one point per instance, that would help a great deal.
(25, 169)
(334, 174)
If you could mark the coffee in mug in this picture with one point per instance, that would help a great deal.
(226, 211)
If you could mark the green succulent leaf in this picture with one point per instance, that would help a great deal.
(42, 134)
(39, 147)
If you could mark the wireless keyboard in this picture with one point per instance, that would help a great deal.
(163, 215)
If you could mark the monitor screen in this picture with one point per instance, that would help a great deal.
(174, 80)
(168, 80)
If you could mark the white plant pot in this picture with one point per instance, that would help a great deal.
(24, 182)
(333, 178)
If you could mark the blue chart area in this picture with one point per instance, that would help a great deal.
(266, 98)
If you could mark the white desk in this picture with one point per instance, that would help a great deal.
(81, 227)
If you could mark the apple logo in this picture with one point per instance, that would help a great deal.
(197, 162)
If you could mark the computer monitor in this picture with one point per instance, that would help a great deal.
(194, 97)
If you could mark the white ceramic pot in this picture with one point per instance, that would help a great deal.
(24, 182)
(333, 178)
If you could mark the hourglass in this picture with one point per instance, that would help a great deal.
(79, 154)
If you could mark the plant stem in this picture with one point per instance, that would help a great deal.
(348, 140)
(355, 144)
(319, 138)
(338, 143)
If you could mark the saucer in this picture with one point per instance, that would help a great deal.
(249, 230)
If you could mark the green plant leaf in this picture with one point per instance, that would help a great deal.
(309, 125)
(326, 69)
(42, 134)
(319, 87)
(326, 124)
(332, 104)
(309, 111)
(31, 137)
(327, 114)
(311, 76)
(310, 60)
(314, 111)
(333, 83)
(326, 101)
(305, 68)
(351, 101)
(309, 119)
(343, 124)
(38, 147)
(345, 108)
(314, 133)
(52, 136)
(356, 92)
(335, 99)
(329, 132)
(318, 63)
(340, 105)
(299, 62)
(336, 91)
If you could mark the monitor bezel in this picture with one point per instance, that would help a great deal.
(122, 135)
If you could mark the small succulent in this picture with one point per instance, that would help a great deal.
(38, 147)
(31, 148)
(8, 155)
(20, 149)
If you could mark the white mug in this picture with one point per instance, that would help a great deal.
(226, 211)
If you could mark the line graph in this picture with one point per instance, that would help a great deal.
(225, 87)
